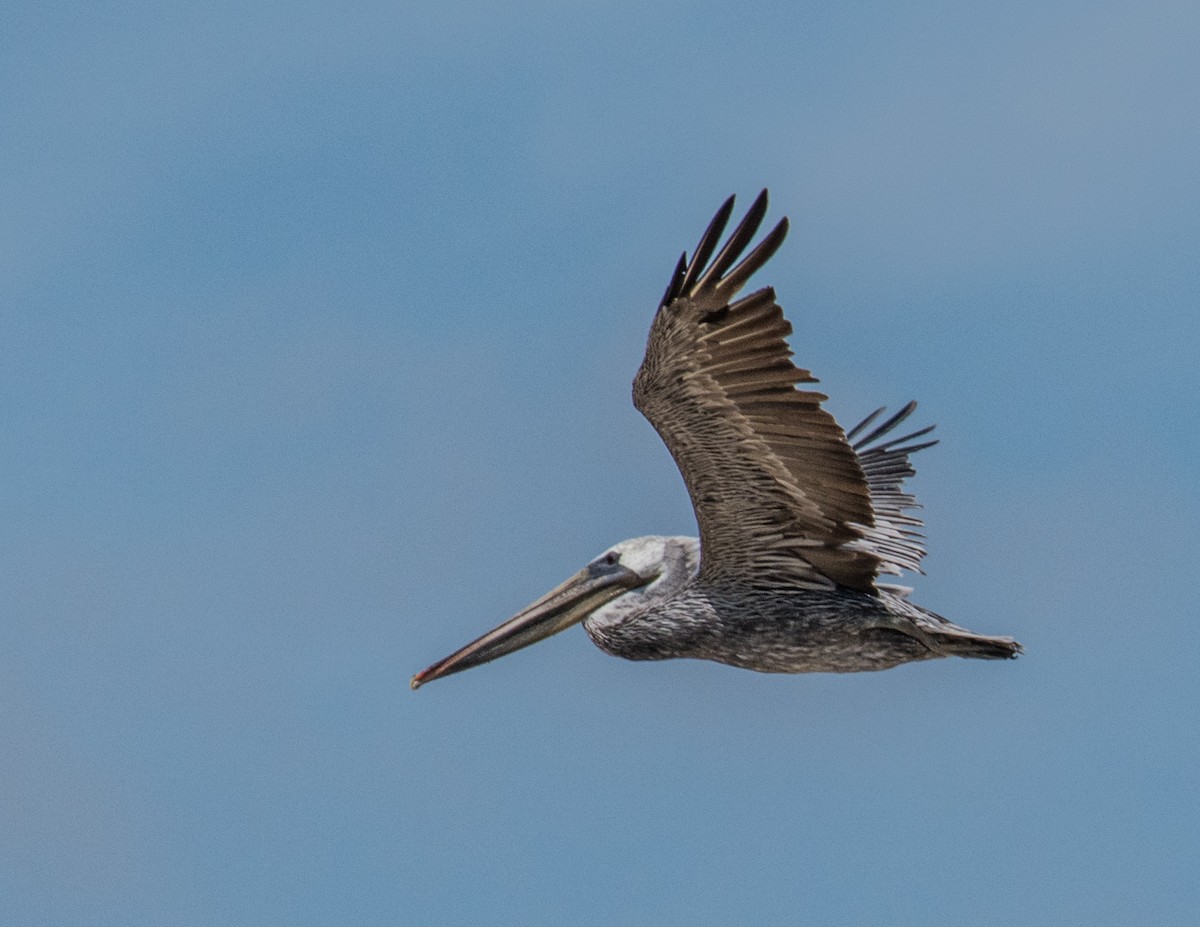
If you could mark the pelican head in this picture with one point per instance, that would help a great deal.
(623, 579)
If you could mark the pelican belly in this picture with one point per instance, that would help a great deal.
(771, 630)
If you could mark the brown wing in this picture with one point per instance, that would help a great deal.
(779, 493)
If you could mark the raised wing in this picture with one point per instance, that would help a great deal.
(779, 493)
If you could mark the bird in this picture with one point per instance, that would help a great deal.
(798, 519)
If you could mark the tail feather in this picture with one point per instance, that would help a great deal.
(976, 646)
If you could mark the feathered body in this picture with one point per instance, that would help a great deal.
(772, 629)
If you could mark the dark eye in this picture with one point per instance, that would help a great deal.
(611, 558)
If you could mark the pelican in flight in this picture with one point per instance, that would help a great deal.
(798, 519)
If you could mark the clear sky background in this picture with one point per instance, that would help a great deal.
(318, 325)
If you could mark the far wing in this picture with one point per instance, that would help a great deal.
(886, 465)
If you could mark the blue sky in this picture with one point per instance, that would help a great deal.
(317, 326)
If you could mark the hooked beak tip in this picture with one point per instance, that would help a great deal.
(415, 682)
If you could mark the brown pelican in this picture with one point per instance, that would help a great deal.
(796, 522)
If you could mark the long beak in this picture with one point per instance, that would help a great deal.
(557, 610)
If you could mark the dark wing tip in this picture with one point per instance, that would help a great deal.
(864, 423)
(698, 276)
(737, 243)
(887, 426)
(729, 285)
(706, 245)
(675, 286)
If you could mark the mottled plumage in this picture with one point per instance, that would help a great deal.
(796, 523)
